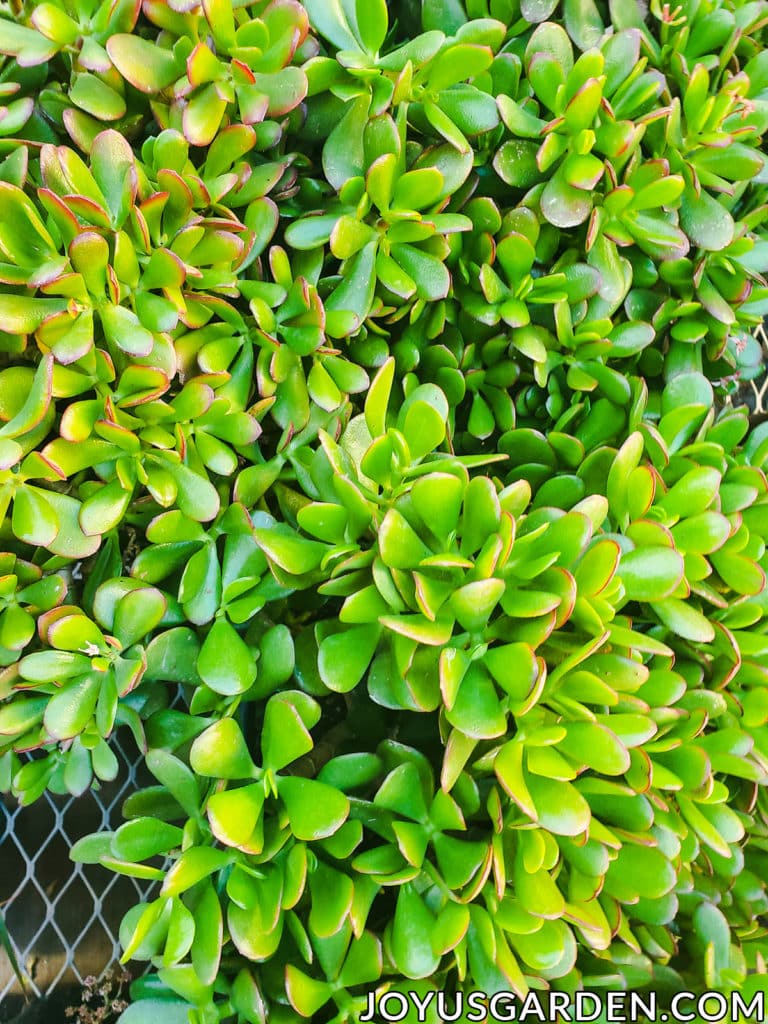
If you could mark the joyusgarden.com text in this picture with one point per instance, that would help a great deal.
(581, 1008)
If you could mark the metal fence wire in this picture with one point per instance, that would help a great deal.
(64, 918)
(758, 400)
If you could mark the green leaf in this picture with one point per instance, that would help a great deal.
(349, 236)
(33, 520)
(24, 237)
(104, 509)
(329, 18)
(343, 658)
(706, 221)
(582, 108)
(457, 63)
(71, 630)
(200, 586)
(552, 40)
(181, 932)
(445, 128)
(225, 662)
(278, 657)
(529, 604)
(472, 111)
(287, 549)
(595, 746)
(477, 710)
(481, 514)
(43, 666)
(343, 153)
(640, 871)
(412, 929)
(172, 656)
(143, 838)
(704, 828)
(380, 180)
(72, 707)
(377, 399)
(631, 338)
(438, 498)
(583, 171)
(536, 11)
(20, 314)
(27, 45)
(686, 389)
(597, 567)
(560, 808)
(713, 929)
(562, 204)
(514, 667)
(402, 792)
(235, 816)
(416, 190)
(372, 23)
(693, 493)
(196, 497)
(684, 620)
(537, 892)
(177, 779)
(149, 1011)
(95, 97)
(114, 170)
(474, 603)
(349, 771)
(306, 995)
(137, 614)
(203, 115)
(193, 866)
(222, 753)
(625, 16)
(284, 90)
(429, 274)
(446, 15)
(399, 544)
(21, 715)
(123, 329)
(521, 122)
(741, 574)
(651, 573)
(423, 418)
(207, 943)
(285, 736)
(363, 964)
(356, 292)
(219, 15)
(509, 768)
(315, 810)
(515, 163)
(309, 232)
(583, 22)
(147, 66)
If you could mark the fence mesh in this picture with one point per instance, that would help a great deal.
(759, 386)
(63, 918)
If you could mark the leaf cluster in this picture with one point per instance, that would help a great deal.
(368, 453)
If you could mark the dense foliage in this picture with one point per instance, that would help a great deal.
(368, 452)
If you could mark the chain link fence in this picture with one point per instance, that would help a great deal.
(757, 396)
(63, 918)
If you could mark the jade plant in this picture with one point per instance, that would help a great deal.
(371, 455)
